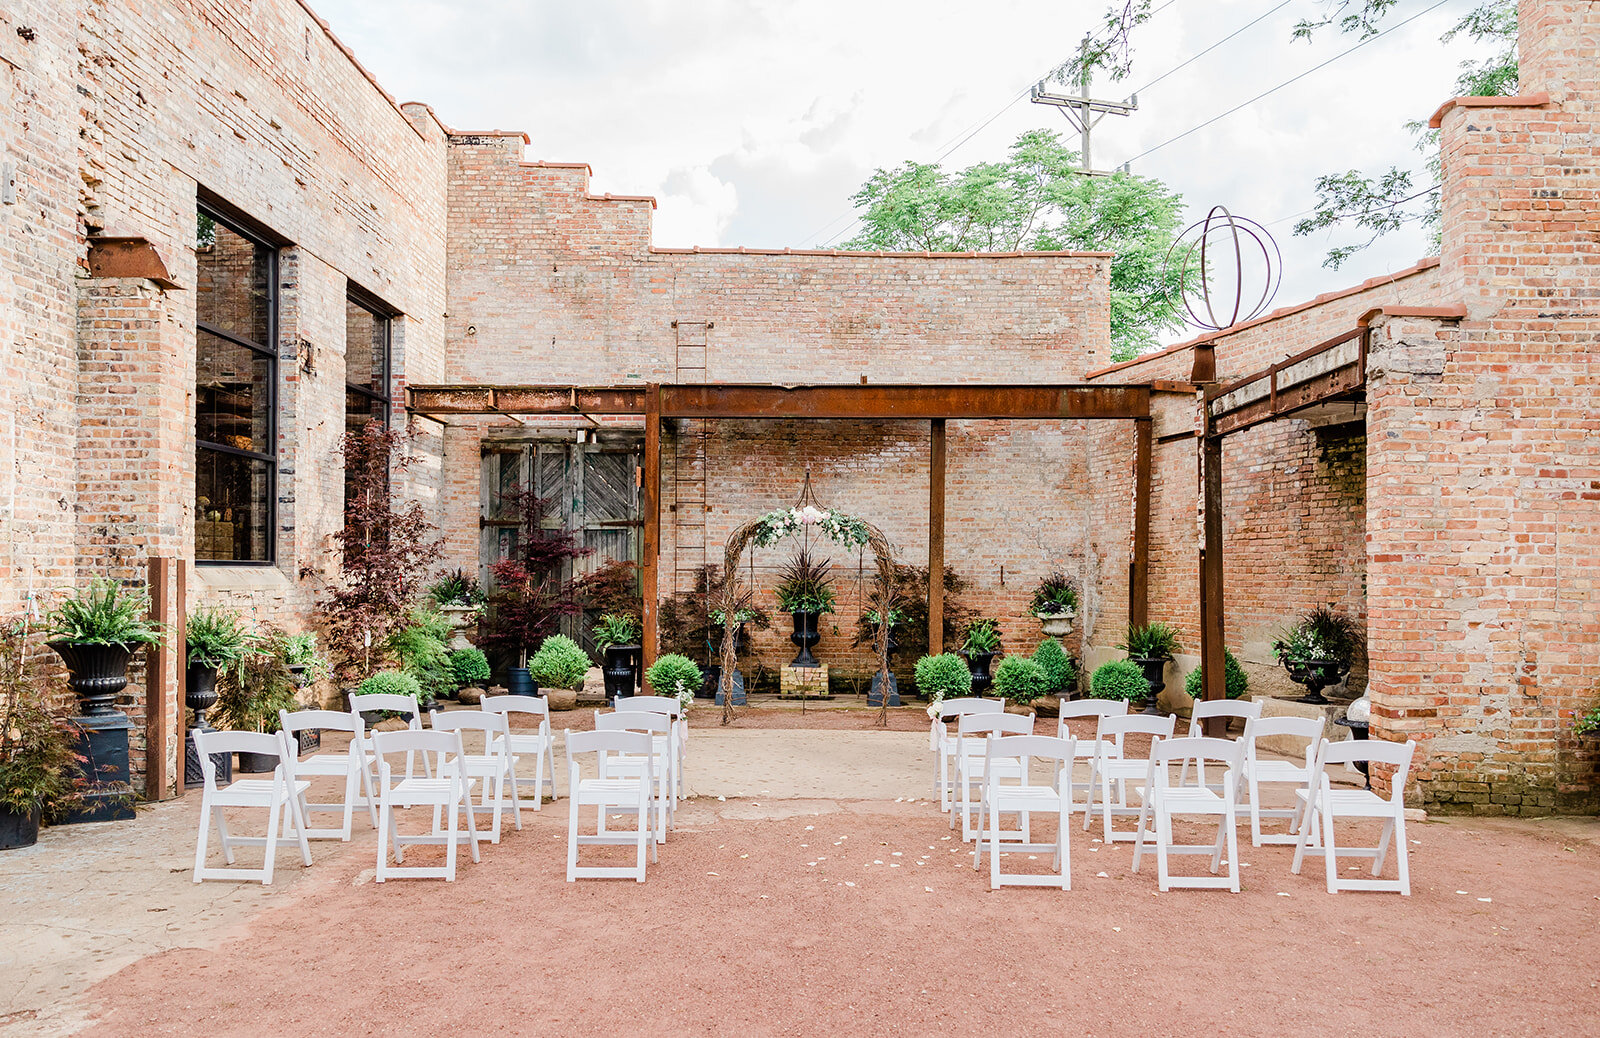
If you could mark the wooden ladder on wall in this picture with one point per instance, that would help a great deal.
(689, 450)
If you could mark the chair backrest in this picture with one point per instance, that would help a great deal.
(333, 720)
(1308, 728)
(1045, 747)
(1197, 747)
(388, 701)
(518, 705)
(633, 721)
(1093, 708)
(601, 742)
(207, 743)
(423, 740)
(1396, 754)
(949, 708)
(1113, 727)
(1246, 709)
(490, 724)
(998, 723)
(668, 705)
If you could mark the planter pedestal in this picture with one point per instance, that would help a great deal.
(875, 696)
(713, 686)
(103, 745)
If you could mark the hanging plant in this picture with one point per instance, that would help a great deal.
(836, 526)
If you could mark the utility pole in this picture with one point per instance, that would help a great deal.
(1084, 111)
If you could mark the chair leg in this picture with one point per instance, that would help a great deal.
(222, 834)
(994, 846)
(572, 839)
(297, 811)
(383, 841)
(1232, 822)
(1255, 813)
(459, 799)
(1221, 842)
(1329, 857)
(644, 836)
(516, 793)
(1381, 852)
(274, 828)
(472, 825)
(1402, 854)
(1064, 848)
(1163, 822)
(350, 781)
(1139, 836)
(205, 834)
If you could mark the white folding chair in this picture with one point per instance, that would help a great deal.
(280, 795)
(1115, 765)
(631, 792)
(390, 702)
(1087, 749)
(944, 746)
(670, 706)
(1246, 710)
(1327, 804)
(1162, 800)
(972, 763)
(450, 791)
(350, 765)
(538, 743)
(1024, 798)
(495, 766)
(659, 727)
(1260, 772)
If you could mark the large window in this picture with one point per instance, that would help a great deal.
(368, 360)
(236, 379)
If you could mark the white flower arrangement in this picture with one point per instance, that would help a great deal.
(837, 526)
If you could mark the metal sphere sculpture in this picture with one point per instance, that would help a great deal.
(1224, 246)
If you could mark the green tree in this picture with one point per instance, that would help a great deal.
(1036, 200)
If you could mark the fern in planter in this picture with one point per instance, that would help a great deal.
(614, 629)
(104, 614)
(1153, 641)
(982, 636)
(217, 638)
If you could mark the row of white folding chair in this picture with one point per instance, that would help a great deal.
(495, 765)
(634, 793)
(659, 727)
(973, 766)
(1225, 710)
(943, 744)
(1087, 749)
(282, 795)
(1024, 798)
(670, 706)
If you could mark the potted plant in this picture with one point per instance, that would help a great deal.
(1019, 681)
(469, 667)
(1236, 681)
(1059, 673)
(39, 768)
(979, 644)
(421, 648)
(459, 597)
(1319, 650)
(1119, 679)
(941, 677)
(617, 636)
(1150, 647)
(531, 593)
(387, 682)
(95, 632)
(1055, 603)
(252, 689)
(674, 675)
(805, 592)
(559, 664)
(1587, 724)
(871, 620)
(300, 656)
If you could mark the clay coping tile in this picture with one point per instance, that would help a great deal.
(744, 251)
(1426, 263)
(1525, 101)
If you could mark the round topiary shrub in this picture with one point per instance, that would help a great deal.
(674, 675)
(469, 666)
(390, 682)
(942, 677)
(1118, 679)
(1057, 666)
(1233, 676)
(1020, 680)
(559, 663)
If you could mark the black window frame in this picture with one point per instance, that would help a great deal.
(227, 216)
(385, 313)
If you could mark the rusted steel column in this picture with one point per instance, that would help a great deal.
(650, 503)
(1211, 614)
(936, 538)
(158, 672)
(179, 636)
(1139, 568)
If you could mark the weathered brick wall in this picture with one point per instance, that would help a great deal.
(549, 284)
(1484, 526)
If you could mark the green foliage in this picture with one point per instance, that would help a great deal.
(1321, 634)
(982, 635)
(1588, 724)
(1109, 50)
(456, 588)
(38, 759)
(559, 663)
(616, 629)
(217, 637)
(1020, 680)
(1154, 641)
(945, 676)
(1056, 594)
(674, 675)
(1057, 666)
(422, 647)
(252, 690)
(874, 618)
(469, 666)
(805, 586)
(1118, 679)
(104, 614)
(1234, 678)
(300, 650)
(390, 682)
(1035, 200)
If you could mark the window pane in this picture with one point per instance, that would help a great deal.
(232, 394)
(231, 507)
(366, 348)
(232, 285)
(359, 409)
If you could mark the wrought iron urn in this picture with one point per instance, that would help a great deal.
(200, 693)
(1155, 673)
(805, 635)
(978, 664)
(96, 673)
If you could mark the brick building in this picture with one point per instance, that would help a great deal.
(227, 243)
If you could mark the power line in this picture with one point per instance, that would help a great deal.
(1280, 86)
(1214, 46)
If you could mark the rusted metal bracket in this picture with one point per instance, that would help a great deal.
(125, 256)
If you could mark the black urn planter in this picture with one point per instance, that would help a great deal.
(1315, 675)
(1155, 670)
(619, 671)
(18, 830)
(519, 682)
(1358, 730)
(200, 695)
(978, 663)
(96, 673)
(256, 763)
(805, 635)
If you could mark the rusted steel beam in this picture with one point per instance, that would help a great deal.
(158, 672)
(514, 400)
(1139, 566)
(650, 504)
(1212, 620)
(905, 401)
(1338, 384)
(936, 443)
(179, 635)
(1321, 347)
(128, 257)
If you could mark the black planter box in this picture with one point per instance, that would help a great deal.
(18, 830)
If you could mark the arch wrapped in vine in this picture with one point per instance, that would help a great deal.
(773, 527)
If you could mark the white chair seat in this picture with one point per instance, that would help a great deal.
(1199, 800)
(324, 764)
(1281, 771)
(251, 793)
(527, 742)
(426, 790)
(620, 787)
(1362, 803)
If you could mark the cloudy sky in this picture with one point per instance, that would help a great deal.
(754, 121)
